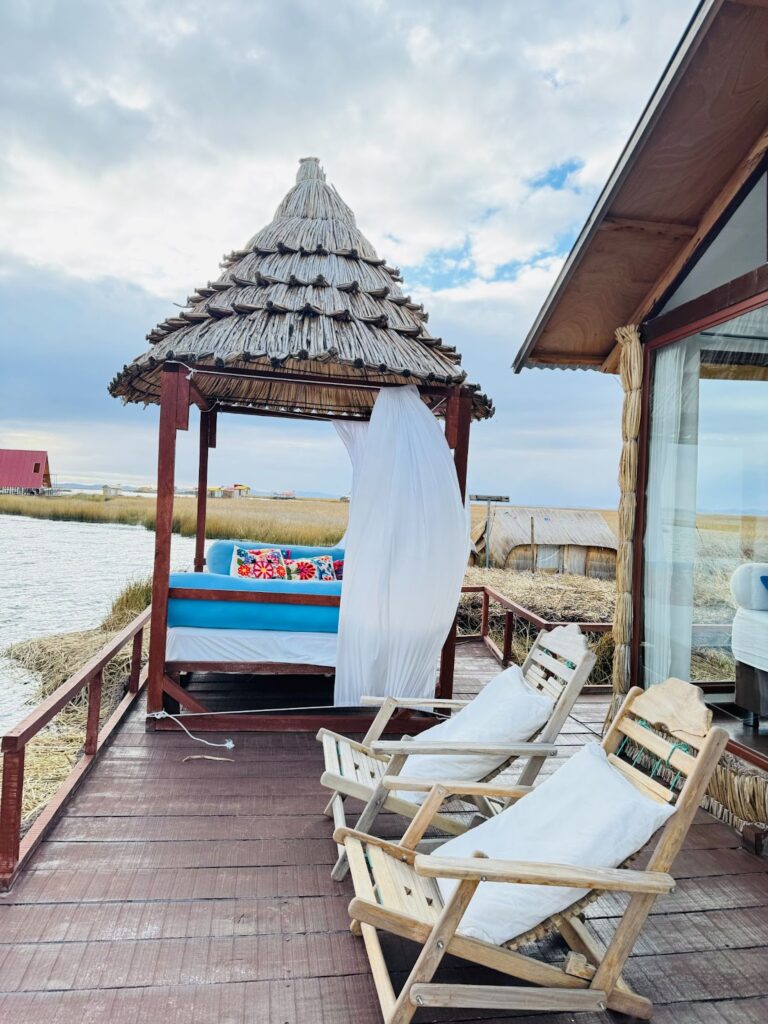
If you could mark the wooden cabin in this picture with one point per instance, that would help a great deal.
(667, 285)
(554, 540)
(24, 472)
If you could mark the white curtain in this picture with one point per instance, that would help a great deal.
(354, 434)
(407, 546)
(670, 534)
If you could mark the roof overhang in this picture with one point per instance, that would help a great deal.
(699, 140)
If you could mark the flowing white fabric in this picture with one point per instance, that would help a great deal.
(354, 434)
(671, 513)
(407, 546)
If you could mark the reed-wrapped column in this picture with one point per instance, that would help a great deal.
(631, 368)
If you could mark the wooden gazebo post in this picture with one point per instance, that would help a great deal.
(457, 423)
(174, 415)
(207, 441)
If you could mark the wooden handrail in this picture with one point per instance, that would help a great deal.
(13, 851)
(20, 735)
(514, 610)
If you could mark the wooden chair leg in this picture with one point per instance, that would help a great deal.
(433, 951)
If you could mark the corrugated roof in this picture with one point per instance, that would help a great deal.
(17, 468)
(307, 294)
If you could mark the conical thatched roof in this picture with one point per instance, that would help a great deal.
(307, 295)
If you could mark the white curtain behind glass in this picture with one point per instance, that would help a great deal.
(407, 545)
(670, 511)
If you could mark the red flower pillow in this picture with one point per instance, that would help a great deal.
(320, 568)
(258, 563)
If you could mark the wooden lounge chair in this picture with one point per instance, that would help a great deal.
(663, 741)
(558, 664)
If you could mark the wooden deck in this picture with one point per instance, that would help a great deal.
(200, 892)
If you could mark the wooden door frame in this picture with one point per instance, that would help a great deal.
(727, 302)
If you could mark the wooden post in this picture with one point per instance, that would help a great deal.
(10, 813)
(484, 614)
(94, 707)
(166, 466)
(506, 653)
(457, 423)
(202, 487)
(533, 548)
(133, 680)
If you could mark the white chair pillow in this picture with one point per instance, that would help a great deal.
(506, 710)
(587, 814)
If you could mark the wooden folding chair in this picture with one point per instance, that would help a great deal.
(663, 741)
(558, 664)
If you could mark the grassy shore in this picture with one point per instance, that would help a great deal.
(297, 521)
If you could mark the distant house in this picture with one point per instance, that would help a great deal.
(23, 472)
(236, 491)
(550, 540)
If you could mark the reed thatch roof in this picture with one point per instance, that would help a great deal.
(307, 295)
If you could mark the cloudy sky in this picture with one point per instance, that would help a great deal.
(142, 139)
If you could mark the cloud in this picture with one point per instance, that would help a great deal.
(144, 139)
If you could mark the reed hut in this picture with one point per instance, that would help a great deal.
(667, 285)
(554, 540)
(306, 321)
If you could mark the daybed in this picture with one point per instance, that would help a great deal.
(264, 622)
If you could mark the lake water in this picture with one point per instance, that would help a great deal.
(57, 577)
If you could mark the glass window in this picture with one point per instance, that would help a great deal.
(706, 510)
(740, 245)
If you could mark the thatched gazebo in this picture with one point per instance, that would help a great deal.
(305, 321)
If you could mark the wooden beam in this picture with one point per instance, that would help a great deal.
(166, 468)
(565, 359)
(673, 229)
(182, 401)
(761, 4)
(707, 223)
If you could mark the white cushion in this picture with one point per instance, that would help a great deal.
(587, 814)
(506, 710)
(747, 587)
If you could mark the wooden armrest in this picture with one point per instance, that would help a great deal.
(354, 744)
(531, 873)
(400, 852)
(425, 702)
(488, 789)
(417, 746)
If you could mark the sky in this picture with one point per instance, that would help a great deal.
(145, 138)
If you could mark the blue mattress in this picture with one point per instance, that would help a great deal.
(241, 615)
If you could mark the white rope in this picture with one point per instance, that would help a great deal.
(228, 744)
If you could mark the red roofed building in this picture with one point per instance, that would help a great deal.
(23, 470)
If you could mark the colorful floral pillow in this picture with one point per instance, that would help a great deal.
(258, 563)
(338, 568)
(318, 568)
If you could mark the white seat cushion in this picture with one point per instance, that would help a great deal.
(506, 710)
(586, 814)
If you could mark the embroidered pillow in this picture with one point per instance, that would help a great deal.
(318, 568)
(338, 568)
(258, 563)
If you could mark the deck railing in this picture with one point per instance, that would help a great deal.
(513, 611)
(15, 850)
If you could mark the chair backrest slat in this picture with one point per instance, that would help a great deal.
(657, 734)
(559, 662)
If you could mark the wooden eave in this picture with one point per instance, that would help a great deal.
(701, 138)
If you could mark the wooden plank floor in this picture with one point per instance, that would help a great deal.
(200, 892)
